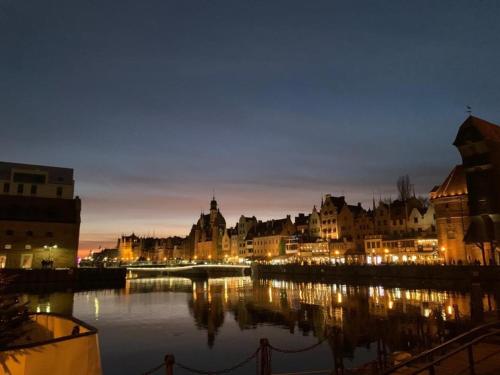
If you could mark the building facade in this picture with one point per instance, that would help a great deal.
(268, 239)
(478, 142)
(330, 208)
(39, 217)
(450, 201)
(207, 234)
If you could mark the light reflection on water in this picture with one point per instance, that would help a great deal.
(214, 323)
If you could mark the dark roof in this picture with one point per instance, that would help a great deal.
(55, 175)
(338, 202)
(487, 130)
(356, 210)
(455, 184)
(302, 219)
(19, 208)
(267, 228)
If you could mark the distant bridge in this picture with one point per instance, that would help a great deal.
(195, 271)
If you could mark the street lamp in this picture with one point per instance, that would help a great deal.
(48, 248)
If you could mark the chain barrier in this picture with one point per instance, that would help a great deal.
(154, 369)
(223, 371)
(267, 354)
(292, 351)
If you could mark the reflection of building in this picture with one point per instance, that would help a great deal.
(39, 218)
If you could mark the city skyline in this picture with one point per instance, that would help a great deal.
(167, 102)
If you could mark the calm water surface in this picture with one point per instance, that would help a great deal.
(215, 323)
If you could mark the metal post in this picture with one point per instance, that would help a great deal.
(169, 364)
(471, 360)
(265, 357)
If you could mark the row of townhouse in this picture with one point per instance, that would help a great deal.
(336, 231)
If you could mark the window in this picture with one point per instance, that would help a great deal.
(9, 232)
(59, 191)
(29, 178)
(415, 220)
(49, 234)
(20, 188)
(29, 233)
(33, 189)
(6, 187)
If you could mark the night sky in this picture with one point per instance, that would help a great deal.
(271, 103)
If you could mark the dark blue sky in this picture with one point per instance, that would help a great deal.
(270, 103)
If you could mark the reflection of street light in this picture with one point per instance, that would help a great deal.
(443, 248)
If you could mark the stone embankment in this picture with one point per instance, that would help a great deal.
(388, 274)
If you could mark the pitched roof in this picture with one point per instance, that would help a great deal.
(455, 184)
(487, 130)
(302, 219)
(338, 202)
(267, 228)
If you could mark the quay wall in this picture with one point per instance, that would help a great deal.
(198, 272)
(389, 274)
(69, 276)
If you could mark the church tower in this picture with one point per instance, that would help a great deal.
(213, 210)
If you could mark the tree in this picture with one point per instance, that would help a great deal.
(13, 315)
(404, 188)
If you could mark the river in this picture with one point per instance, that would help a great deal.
(215, 323)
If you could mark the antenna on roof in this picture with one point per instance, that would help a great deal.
(469, 110)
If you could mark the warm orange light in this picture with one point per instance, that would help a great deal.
(443, 248)
(386, 251)
(268, 254)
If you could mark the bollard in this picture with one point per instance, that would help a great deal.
(169, 364)
(265, 357)
(471, 360)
